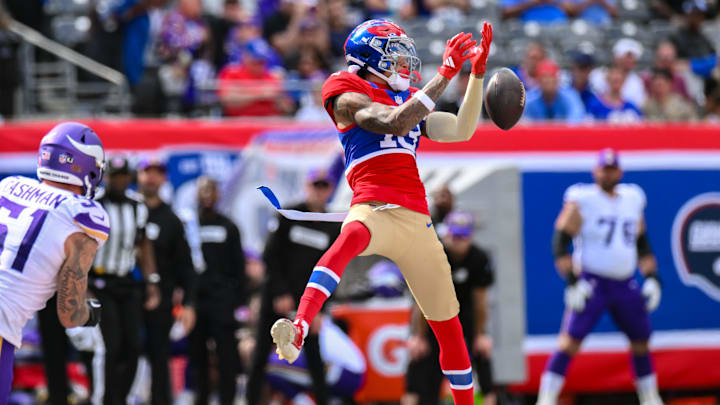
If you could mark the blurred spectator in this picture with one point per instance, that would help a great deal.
(140, 21)
(674, 9)
(450, 11)
(221, 288)
(626, 53)
(293, 23)
(247, 29)
(540, 11)
(377, 9)
(598, 12)
(534, 54)
(691, 44)
(443, 202)
(666, 58)
(250, 88)
(339, 25)
(310, 66)
(291, 251)
(184, 46)
(550, 101)
(664, 104)
(232, 17)
(311, 106)
(583, 64)
(139, 34)
(611, 106)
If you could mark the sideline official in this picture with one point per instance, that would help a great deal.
(291, 251)
(221, 288)
(174, 268)
(112, 282)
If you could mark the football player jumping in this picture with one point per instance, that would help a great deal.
(49, 233)
(380, 120)
(608, 226)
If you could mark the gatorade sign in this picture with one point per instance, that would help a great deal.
(382, 336)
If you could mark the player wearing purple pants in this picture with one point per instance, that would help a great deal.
(606, 225)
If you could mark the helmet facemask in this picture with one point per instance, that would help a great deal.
(399, 59)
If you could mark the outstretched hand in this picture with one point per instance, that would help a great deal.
(479, 55)
(458, 49)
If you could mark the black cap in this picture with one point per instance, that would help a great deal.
(118, 165)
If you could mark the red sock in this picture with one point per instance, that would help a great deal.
(454, 359)
(325, 277)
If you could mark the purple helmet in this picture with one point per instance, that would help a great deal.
(386, 280)
(72, 153)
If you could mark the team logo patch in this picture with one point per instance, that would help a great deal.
(696, 243)
(65, 158)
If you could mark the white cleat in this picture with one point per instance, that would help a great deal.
(289, 339)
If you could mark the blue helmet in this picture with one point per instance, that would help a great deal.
(72, 153)
(382, 46)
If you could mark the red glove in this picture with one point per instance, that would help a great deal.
(479, 55)
(456, 53)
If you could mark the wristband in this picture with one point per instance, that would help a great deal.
(425, 100)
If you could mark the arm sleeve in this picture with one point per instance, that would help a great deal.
(183, 265)
(275, 251)
(89, 217)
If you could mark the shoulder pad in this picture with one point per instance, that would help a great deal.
(89, 216)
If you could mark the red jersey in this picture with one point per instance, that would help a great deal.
(379, 167)
(238, 76)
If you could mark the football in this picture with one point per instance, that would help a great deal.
(504, 98)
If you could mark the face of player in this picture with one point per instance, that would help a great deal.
(150, 180)
(607, 177)
(318, 193)
(208, 194)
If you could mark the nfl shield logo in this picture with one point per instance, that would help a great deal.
(696, 243)
(65, 158)
(398, 100)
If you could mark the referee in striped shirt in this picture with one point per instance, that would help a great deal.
(118, 289)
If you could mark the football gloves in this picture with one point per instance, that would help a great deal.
(652, 291)
(480, 54)
(577, 292)
(458, 49)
